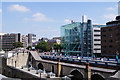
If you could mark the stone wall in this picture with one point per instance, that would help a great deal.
(18, 60)
(18, 73)
(2, 64)
(66, 70)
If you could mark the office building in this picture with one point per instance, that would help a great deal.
(25, 41)
(77, 37)
(7, 40)
(1, 34)
(111, 38)
(31, 39)
(97, 39)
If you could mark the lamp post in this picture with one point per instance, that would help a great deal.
(59, 67)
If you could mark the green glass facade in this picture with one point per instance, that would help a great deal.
(70, 38)
(76, 38)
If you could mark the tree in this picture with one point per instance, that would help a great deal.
(29, 48)
(18, 44)
(62, 46)
(42, 46)
(56, 47)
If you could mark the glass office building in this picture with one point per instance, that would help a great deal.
(76, 38)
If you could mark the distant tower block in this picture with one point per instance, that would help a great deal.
(84, 18)
(119, 8)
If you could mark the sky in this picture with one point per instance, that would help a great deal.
(0, 17)
(45, 18)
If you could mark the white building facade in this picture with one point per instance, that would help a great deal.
(97, 39)
(25, 40)
(31, 39)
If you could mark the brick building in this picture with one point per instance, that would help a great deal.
(110, 38)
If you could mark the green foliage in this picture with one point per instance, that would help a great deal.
(57, 47)
(42, 46)
(4, 49)
(18, 44)
(29, 48)
(62, 46)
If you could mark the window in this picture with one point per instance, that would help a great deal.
(110, 29)
(96, 35)
(117, 29)
(110, 41)
(97, 49)
(110, 46)
(96, 39)
(97, 44)
(96, 30)
(104, 35)
(104, 46)
(104, 41)
(104, 51)
(110, 35)
(104, 30)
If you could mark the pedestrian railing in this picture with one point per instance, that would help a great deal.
(95, 62)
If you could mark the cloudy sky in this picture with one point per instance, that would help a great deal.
(45, 18)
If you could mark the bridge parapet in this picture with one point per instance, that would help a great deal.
(67, 68)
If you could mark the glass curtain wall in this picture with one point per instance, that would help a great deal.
(76, 38)
(71, 38)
